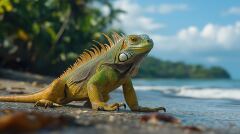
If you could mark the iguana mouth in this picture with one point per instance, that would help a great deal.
(144, 49)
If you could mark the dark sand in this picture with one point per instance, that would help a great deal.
(90, 122)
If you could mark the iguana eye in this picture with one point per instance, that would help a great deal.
(133, 39)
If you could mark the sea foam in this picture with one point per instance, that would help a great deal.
(195, 92)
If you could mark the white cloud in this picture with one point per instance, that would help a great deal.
(167, 8)
(232, 11)
(105, 10)
(134, 21)
(193, 39)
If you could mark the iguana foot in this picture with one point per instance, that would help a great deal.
(147, 109)
(46, 103)
(108, 107)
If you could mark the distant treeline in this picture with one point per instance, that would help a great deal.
(156, 68)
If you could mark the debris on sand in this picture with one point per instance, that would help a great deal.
(12, 121)
(16, 92)
(156, 118)
(192, 128)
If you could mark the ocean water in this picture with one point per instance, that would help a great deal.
(208, 103)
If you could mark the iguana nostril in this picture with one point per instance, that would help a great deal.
(149, 40)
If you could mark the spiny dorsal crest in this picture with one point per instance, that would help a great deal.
(94, 51)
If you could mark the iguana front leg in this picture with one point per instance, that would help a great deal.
(96, 95)
(89, 105)
(131, 99)
(97, 100)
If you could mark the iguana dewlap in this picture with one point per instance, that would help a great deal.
(96, 73)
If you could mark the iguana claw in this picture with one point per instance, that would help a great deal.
(100, 108)
(120, 105)
(111, 107)
(125, 107)
(46, 103)
(163, 108)
(123, 104)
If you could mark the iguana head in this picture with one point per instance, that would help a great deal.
(124, 53)
(134, 48)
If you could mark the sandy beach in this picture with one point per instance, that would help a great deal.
(89, 121)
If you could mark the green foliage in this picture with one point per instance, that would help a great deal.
(45, 36)
(155, 68)
(5, 6)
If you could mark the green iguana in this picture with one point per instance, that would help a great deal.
(96, 73)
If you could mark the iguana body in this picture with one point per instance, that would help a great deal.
(95, 74)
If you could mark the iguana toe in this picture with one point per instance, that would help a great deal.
(118, 105)
(111, 107)
(46, 103)
(161, 108)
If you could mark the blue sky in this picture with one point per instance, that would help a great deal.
(194, 31)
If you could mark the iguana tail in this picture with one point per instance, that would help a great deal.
(28, 98)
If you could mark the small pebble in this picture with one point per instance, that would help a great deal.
(155, 118)
(3, 88)
(18, 88)
(16, 92)
(192, 128)
(111, 118)
(35, 84)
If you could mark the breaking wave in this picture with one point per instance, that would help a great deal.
(194, 92)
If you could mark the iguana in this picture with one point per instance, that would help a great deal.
(96, 73)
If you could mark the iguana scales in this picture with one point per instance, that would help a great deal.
(96, 73)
